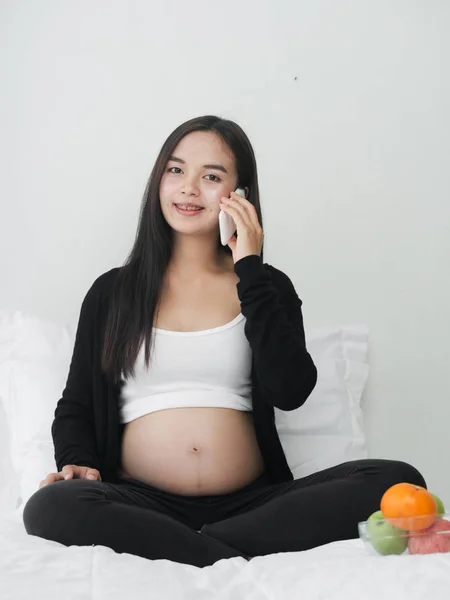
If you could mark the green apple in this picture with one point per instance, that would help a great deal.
(439, 506)
(384, 537)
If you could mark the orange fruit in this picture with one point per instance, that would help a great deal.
(409, 506)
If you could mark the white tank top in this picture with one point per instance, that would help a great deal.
(211, 367)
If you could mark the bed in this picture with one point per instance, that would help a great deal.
(33, 568)
(327, 429)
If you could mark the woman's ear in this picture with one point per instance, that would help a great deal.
(246, 190)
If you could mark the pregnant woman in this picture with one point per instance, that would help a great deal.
(165, 440)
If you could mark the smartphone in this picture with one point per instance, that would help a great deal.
(227, 226)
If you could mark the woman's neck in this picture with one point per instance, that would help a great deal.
(194, 258)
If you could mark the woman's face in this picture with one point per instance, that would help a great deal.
(200, 171)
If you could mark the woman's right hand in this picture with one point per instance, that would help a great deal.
(72, 472)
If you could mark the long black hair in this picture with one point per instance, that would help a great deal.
(135, 294)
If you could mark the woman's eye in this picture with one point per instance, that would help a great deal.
(174, 170)
(213, 176)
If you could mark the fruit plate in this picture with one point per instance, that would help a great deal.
(423, 534)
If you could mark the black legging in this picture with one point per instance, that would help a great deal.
(262, 518)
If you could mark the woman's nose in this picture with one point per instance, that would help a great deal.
(190, 188)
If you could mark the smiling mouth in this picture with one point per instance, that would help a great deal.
(188, 208)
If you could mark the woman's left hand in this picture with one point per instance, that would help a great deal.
(249, 232)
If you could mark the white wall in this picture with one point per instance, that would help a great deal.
(346, 103)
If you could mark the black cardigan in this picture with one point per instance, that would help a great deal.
(86, 429)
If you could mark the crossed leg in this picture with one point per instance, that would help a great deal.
(315, 510)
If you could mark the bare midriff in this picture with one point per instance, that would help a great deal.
(193, 451)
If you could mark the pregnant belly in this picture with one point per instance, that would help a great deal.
(192, 451)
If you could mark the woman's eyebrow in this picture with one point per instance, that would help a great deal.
(216, 167)
(178, 160)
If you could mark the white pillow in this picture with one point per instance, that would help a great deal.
(9, 483)
(35, 356)
(34, 361)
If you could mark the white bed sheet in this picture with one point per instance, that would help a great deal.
(32, 568)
